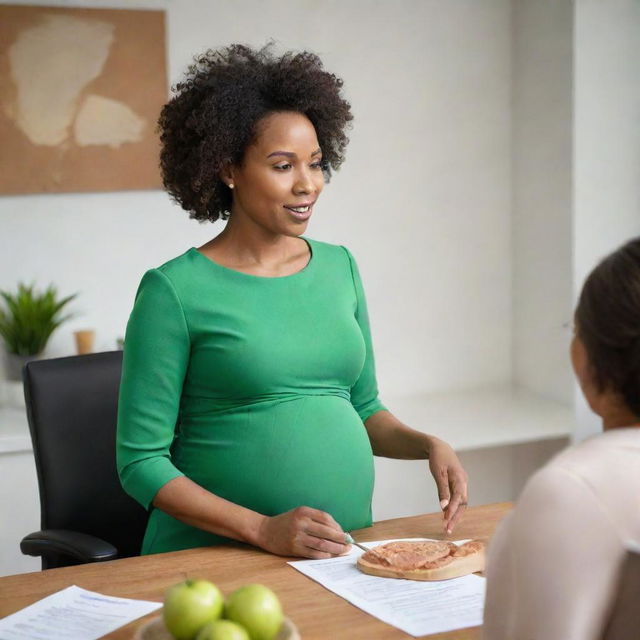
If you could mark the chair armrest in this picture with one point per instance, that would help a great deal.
(81, 546)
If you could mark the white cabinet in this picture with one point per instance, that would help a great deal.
(19, 500)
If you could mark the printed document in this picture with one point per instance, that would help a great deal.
(73, 614)
(417, 608)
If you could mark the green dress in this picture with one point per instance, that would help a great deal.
(255, 388)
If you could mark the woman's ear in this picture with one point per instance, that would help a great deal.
(226, 174)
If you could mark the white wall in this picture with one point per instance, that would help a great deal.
(542, 195)
(606, 151)
(423, 200)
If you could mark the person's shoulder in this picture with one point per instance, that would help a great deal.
(626, 437)
(176, 270)
(606, 453)
(543, 485)
(552, 499)
(171, 274)
(581, 474)
(575, 462)
(178, 265)
(325, 248)
(328, 252)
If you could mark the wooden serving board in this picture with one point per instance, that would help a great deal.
(458, 567)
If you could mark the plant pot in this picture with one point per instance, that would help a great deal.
(15, 363)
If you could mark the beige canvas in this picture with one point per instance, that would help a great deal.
(80, 95)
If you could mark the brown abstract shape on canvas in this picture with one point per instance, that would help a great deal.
(80, 94)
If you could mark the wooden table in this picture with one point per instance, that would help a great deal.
(318, 613)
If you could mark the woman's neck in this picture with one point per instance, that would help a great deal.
(619, 418)
(257, 252)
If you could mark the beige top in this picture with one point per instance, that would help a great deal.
(553, 562)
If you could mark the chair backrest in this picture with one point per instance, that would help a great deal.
(624, 623)
(72, 406)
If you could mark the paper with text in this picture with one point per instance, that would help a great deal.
(73, 614)
(417, 608)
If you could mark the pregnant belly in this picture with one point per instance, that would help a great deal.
(274, 456)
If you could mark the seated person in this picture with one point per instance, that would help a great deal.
(554, 562)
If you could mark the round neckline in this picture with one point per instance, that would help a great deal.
(252, 276)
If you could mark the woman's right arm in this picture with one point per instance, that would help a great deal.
(303, 532)
(155, 362)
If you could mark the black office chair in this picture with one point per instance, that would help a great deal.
(85, 515)
(624, 623)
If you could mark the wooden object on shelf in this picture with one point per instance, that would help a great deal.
(85, 340)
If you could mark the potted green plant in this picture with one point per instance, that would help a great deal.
(27, 323)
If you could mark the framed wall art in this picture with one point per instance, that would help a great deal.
(80, 95)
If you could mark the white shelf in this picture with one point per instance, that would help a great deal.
(471, 420)
(14, 430)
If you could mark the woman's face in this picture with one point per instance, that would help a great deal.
(281, 176)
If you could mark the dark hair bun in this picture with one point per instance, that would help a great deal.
(608, 322)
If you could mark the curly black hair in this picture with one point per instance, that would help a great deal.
(212, 119)
(608, 322)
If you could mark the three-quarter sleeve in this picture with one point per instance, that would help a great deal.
(364, 393)
(155, 360)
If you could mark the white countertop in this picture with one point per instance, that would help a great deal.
(467, 420)
(471, 420)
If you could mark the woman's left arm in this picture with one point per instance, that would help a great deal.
(391, 438)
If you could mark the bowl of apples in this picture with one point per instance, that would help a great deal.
(198, 610)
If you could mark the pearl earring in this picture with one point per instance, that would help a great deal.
(231, 185)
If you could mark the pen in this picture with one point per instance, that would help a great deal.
(350, 540)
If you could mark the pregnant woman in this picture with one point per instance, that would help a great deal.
(249, 406)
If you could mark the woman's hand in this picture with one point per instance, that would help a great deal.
(391, 438)
(303, 532)
(451, 480)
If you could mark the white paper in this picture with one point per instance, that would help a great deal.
(417, 608)
(73, 614)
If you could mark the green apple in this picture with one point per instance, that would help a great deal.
(189, 606)
(257, 609)
(223, 630)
